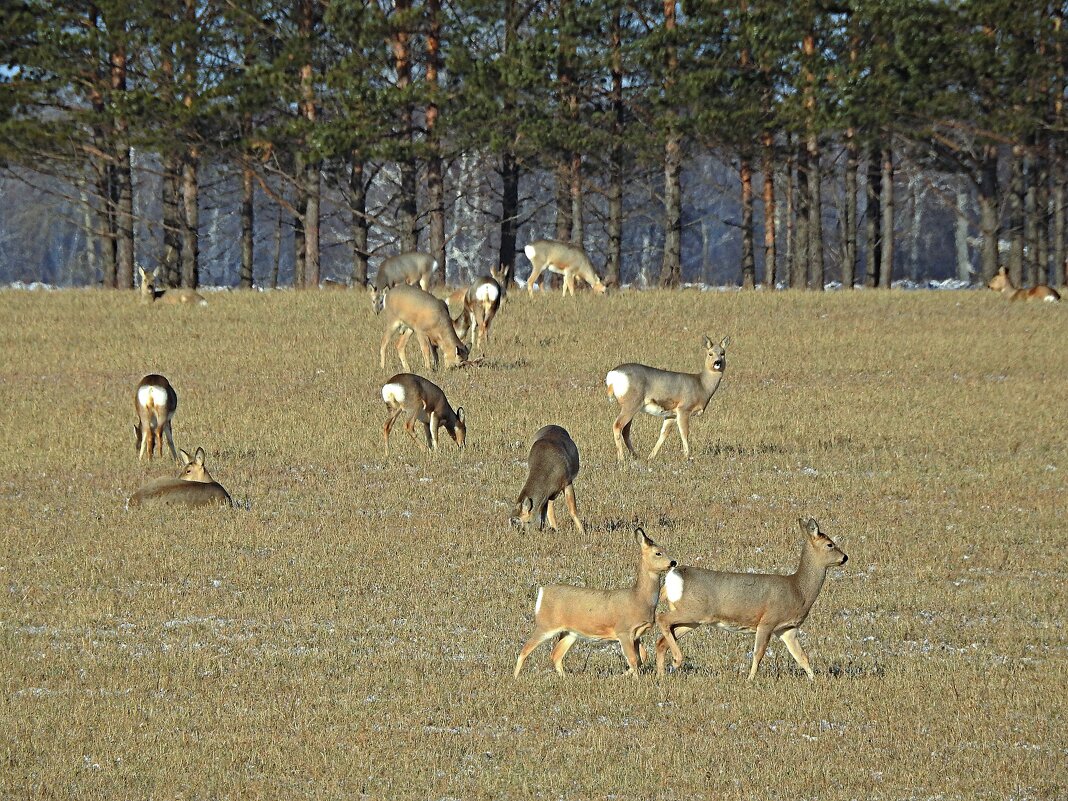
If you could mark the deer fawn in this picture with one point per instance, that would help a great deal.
(758, 602)
(481, 302)
(404, 268)
(155, 402)
(149, 293)
(409, 309)
(1003, 284)
(423, 402)
(192, 487)
(674, 397)
(623, 615)
(564, 259)
(552, 466)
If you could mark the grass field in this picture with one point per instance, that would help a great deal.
(351, 632)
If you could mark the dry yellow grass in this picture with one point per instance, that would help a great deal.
(352, 632)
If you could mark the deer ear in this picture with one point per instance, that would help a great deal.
(184, 456)
(199, 457)
(810, 526)
(708, 343)
(725, 342)
(527, 506)
(460, 413)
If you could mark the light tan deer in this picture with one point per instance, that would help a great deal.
(564, 259)
(623, 615)
(552, 465)
(149, 293)
(155, 402)
(409, 268)
(423, 402)
(409, 310)
(763, 603)
(1003, 284)
(673, 397)
(480, 302)
(192, 487)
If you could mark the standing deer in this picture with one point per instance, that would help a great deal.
(763, 603)
(564, 259)
(192, 487)
(149, 293)
(481, 302)
(155, 402)
(423, 402)
(623, 615)
(672, 396)
(552, 465)
(1003, 284)
(404, 268)
(409, 309)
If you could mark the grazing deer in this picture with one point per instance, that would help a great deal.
(409, 309)
(155, 402)
(564, 259)
(423, 402)
(149, 293)
(674, 397)
(552, 465)
(192, 487)
(1003, 284)
(763, 603)
(404, 268)
(480, 302)
(623, 615)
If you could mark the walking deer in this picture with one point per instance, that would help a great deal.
(564, 259)
(155, 402)
(623, 615)
(409, 309)
(1001, 282)
(480, 301)
(409, 268)
(423, 402)
(552, 465)
(192, 487)
(672, 396)
(762, 603)
(149, 293)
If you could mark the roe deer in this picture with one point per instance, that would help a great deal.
(155, 402)
(423, 402)
(757, 602)
(481, 302)
(674, 397)
(192, 487)
(552, 466)
(623, 615)
(149, 293)
(1003, 284)
(409, 309)
(404, 268)
(560, 257)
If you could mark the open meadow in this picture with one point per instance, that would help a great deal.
(350, 631)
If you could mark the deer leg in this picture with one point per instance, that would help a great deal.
(432, 432)
(572, 507)
(630, 653)
(664, 428)
(682, 420)
(391, 329)
(389, 427)
(560, 651)
(793, 645)
(537, 638)
(670, 631)
(550, 513)
(763, 635)
(621, 430)
(170, 441)
(535, 272)
(569, 283)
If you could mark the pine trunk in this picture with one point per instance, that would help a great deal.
(172, 220)
(509, 214)
(745, 172)
(435, 180)
(799, 263)
(873, 219)
(1016, 217)
(988, 214)
(849, 213)
(358, 191)
(248, 227)
(191, 219)
(886, 258)
(769, 211)
(816, 273)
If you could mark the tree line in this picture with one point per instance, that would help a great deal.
(365, 107)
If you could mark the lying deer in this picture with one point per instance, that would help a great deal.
(149, 293)
(409, 309)
(623, 615)
(1003, 284)
(763, 603)
(155, 402)
(192, 487)
(423, 402)
(481, 302)
(674, 397)
(404, 268)
(563, 259)
(552, 465)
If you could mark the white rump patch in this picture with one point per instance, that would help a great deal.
(1051, 298)
(529, 250)
(152, 396)
(673, 586)
(486, 292)
(537, 604)
(617, 382)
(393, 393)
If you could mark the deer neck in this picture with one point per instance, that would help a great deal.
(710, 381)
(809, 577)
(647, 586)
